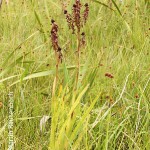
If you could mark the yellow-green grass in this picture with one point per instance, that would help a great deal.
(103, 113)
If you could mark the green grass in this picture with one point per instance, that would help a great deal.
(103, 113)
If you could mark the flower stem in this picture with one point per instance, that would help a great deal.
(57, 64)
(78, 57)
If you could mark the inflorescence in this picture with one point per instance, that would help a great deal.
(77, 19)
(54, 40)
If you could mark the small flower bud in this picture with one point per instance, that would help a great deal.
(52, 21)
(65, 11)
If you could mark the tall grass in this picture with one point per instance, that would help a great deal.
(103, 113)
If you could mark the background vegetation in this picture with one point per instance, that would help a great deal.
(103, 113)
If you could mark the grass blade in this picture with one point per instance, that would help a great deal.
(103, 4)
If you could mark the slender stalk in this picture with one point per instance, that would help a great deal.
(76, 21)
(56, 47)
(78, 57)
(57, 64)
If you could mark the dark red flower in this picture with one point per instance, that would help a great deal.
(54, 39)
(86, 13)
(109, 75)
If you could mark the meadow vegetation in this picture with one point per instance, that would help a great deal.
(97, 98)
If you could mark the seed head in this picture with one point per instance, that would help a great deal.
(54, 39)
(54, 36)
(76, 14)
(77, 20)
(86, 13)
(70, 22)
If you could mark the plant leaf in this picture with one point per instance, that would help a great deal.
(102, 4)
